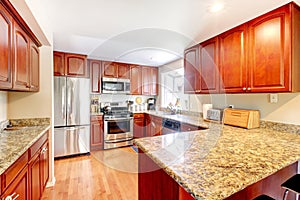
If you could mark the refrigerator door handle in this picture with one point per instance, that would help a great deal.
(69, 102)
(63, 110)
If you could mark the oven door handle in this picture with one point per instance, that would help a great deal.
(119, 119)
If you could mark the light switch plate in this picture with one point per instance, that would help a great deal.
(273, 98)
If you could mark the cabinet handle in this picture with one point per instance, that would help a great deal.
(44, 150)
(28, 86)
(244, 88)
(189, 129)
(11, 197)
(248, 88)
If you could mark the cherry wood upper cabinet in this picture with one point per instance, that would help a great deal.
(146, 75)
(232, 60)
(6, 49)
(208, 66)
(135, 80)
(58, 63)
(95, 75)
(269, 51)
(76, 65)
(154, 80)
(34, 67)
(123, 70)
(109, 69)
(191, 71)
(21, 61)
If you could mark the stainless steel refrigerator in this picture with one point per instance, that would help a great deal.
(71, 116)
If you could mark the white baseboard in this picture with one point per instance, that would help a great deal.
(51, 183)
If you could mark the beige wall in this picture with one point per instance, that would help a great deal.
(287, 110)
(3, 106)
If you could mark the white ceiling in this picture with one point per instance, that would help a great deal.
(149, 32)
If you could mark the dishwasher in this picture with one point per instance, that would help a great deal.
(170, 126)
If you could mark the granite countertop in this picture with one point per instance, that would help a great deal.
(222, 160)
(13, 143)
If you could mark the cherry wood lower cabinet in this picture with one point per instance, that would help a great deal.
(27, 177)
(155, 183)
(97, 132)
(188, 127)
(138, 125)
(153, 125)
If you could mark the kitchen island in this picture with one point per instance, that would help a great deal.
(216, 163)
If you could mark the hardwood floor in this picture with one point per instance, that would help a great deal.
(109, 174)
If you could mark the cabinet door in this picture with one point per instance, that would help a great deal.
(34, 177)
(233, 70)
(269, 52)
(34, 67)
(135, 80)
(154, 81)
(157, 125)
(95, 75)
(6, 49)
(21, 61)
(191, 71)
(44, 164)
(146, 76)
(109, 69)
(138, 127)
(76, 65)
(19, 188)
(96, 132)
(209, 71)
(123, 71)
(58, 63)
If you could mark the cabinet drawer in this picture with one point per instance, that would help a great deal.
(9, 175)
(138, 115)
(188, 127)
(37, 145)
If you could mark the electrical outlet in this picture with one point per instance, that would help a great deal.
(273, 98)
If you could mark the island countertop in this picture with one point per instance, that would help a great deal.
(222, 160)
(14, 143)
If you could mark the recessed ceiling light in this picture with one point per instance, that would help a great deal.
(216, 7)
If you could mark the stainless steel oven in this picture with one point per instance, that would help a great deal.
(118, 132)
(115, 85)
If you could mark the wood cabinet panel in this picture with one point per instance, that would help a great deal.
(34, 68)
(138, 125)
(153, 125)
(187, 127)
(154, 81)
(34, 177)
(76, 65)
(191, 71)
(270, 48)
(146, 75)
(6, 49)
(232, 60)
(21, 60)
(95, 75)
(109, 69)
(97, 132)
(135, 80)
(19, 188)
(123, 70)
(59, 63)
(208, 63)
(44, 164)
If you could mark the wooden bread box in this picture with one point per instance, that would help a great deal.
(242, 118)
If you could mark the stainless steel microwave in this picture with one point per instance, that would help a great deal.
(115, 85)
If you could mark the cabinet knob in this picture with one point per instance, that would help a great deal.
(248, 88)
(189, 129)
(244, 88)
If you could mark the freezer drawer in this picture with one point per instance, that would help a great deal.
(71, 141)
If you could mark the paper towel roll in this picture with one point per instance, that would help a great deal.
(205, 108)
